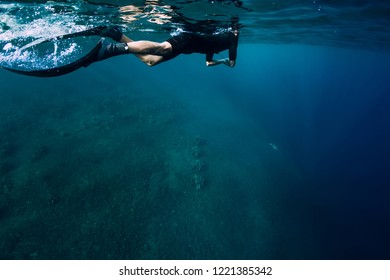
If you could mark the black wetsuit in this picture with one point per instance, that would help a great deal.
(187, 43)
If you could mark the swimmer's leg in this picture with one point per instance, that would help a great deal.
(148, 59)
(105, 50)
(115, 33)
(149, 52)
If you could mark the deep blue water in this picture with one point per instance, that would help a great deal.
(285, 156)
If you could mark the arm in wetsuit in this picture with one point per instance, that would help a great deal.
(212, 62)
(231, 61)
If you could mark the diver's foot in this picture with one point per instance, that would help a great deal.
(104, 50)
(114, 33)
(97, 30)
(108, 50)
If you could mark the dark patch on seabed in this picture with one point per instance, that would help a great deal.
(113, 162)
(95, 169)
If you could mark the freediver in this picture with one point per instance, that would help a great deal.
(153, 53)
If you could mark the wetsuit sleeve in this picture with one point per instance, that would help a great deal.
(209, 56)
(233, 47)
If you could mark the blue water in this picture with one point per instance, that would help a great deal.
(285, 156)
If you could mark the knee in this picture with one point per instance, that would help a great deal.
(150, 63)
(165, 48)
(151, 60)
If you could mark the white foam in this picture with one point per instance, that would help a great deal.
(7, 47)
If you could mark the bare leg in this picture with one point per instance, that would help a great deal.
(151, 53)
(148, 47)
(150, 60)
